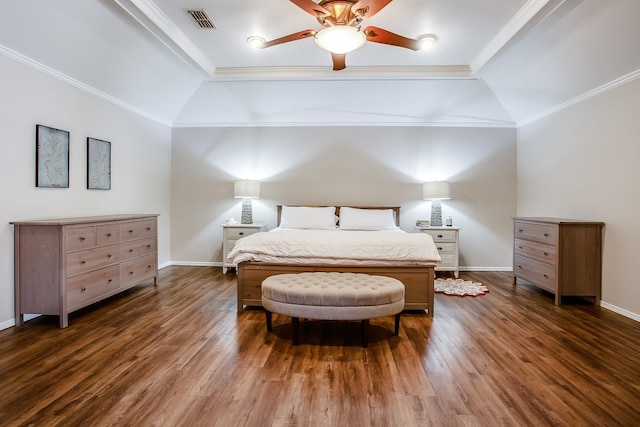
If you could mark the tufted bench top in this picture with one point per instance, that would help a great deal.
(331, 289)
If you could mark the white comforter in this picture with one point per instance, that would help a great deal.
(386, 247)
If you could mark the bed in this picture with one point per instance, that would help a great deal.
(280, 251)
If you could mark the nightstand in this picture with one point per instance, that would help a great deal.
(446, 240)
(230, 235)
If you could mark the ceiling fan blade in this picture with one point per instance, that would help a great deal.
(368, 8)
(378, 35)
(290, 38)
(311, 7)
(339, 61)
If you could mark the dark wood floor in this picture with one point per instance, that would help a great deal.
(179, 354)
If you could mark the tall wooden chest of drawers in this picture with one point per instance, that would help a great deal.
(561, 256)
(62, 265)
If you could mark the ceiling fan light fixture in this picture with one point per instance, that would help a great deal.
(428, 40)
(256, 41)
(340, 39)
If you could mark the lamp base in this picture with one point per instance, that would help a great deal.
(436, 213)
(247, 214)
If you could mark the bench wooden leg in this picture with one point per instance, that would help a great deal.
(295, 323)
(365, 333)
(397, 328)
(268, 313)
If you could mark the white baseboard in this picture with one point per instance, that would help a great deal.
(471, 268)
(622, 311)
(195, 263)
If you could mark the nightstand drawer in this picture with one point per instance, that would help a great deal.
(445, 248)
(448, 260)
(234, 234)
(441, 235)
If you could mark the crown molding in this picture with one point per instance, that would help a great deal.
(153, 13)
(506, 125)
(439, 72)
(18, 57)
(519, 21)
(584, 97)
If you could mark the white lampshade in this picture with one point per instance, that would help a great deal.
(436, 190)
(340, 38)
(246, 189)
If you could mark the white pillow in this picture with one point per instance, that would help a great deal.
(366, 219)
(323, 218)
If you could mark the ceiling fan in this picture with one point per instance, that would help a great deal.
(342, 33)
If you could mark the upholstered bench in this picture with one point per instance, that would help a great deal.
(332, 296)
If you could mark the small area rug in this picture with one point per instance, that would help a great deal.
(460, 287)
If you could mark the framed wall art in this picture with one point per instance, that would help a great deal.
(52, 157)
(98, 164)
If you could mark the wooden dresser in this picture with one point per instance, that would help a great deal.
(562, 256)
(62, 265)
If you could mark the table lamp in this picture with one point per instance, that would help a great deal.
(246, 190)
(436, 191)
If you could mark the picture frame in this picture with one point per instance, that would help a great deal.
(52, 157)
(98, 164)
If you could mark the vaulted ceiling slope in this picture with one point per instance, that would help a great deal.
(496, 63)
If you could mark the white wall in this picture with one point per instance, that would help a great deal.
(582, 163)
(141, 151)
(383, 166)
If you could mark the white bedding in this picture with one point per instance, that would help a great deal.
(384, 247)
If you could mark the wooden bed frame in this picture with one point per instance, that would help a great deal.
(418, 280)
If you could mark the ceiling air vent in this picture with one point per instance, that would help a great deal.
(201, 18)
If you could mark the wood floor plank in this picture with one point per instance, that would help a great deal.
(179, 354)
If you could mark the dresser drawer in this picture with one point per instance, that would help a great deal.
(537, 251)
(441, 235)
(541, 233)
(86, 287)
(237, 233)
(137, 269)
(81, 238)
(83, 261)
(538, 273)
(137, 229)
(107, 234)
(136, 248)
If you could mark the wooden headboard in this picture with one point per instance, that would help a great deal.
(395, 209)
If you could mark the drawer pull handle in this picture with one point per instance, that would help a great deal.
(520, 267)
(439, 248)
(520, 230)
(545, 253)
(148, 266)
(130, 231)
(109, 256)
(108, 234)
(82, 238)
(83, 262)
(83, 289)
(440, 236)
(110, 280)
(519, 247)
(130, 250)
(148, 246)
(148, 228)
(131, 272)
(545, 276)
(241, 233)
(546, 234)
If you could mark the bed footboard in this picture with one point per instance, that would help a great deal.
(418, 280)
